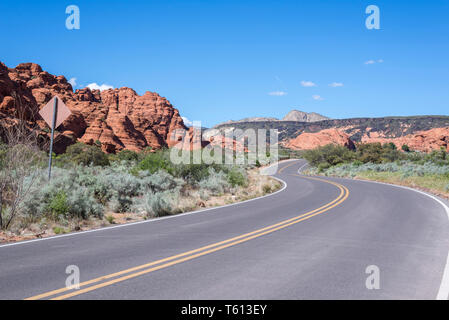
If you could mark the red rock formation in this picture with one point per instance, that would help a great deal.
(118, 118)
(307, 140)
(195, 139)
(425, 141)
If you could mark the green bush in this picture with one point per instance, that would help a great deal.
(370, 152)
(58, 206)
(192, 173)
(83, 154)
(156, 161)
(127, 155)
(110, 219)
(266, 189)
(328, 155)
(59, 230)
(237, 177)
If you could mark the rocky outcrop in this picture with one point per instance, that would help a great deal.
(424, 141)
(307, 140)
(116, 118)
(399, 130)
(296, 115)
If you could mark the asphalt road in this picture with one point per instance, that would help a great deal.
(312, 240)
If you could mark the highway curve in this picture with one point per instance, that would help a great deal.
(312, 240)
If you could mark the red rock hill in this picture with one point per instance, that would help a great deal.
(117, 118)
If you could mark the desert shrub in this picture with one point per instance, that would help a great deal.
(328, 155)
(405, 168)
(59, 230)
(370, 152)
(437, 156)
(127, 155)
(447, 187)
(123, 187)
(389, 146)
(158, 204)
(3, 154)
(405, 148)
(266, 188)
(83, 205)
(83, 154)
(192, 173)
(58, 205)
(62, 196)
(110, 219)
(237, 177)
(216, 182)
(159, 181)
(156, 161)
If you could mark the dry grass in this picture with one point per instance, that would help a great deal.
(430, 183)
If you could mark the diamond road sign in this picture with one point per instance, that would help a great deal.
(54, 113)
(62, 112)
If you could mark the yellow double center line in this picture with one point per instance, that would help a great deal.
(130, 273)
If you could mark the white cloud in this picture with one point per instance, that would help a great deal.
(187, 122)
(308, 84)
(336, 84)
(72, 81)
(374, 61)
(317, 97)
(277, 93)
(94, 86)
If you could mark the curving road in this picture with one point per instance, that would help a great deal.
(312, 240)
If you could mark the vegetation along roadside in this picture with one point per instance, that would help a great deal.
(384, 163)
(90, 189)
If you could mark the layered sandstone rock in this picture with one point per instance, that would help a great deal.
(116, 118)
(308, 140)
(424, 141)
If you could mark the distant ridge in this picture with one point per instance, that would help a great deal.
(294, 115)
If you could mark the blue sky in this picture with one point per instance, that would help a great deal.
(220, 60)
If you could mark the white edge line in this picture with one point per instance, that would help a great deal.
(443, 292)
(155, 219)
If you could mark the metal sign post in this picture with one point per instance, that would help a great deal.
(54, 113)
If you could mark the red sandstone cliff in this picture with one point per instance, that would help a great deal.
(424, 141)
(308, 140)
(118, 118)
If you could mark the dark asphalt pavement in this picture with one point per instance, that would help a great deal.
(322, 255)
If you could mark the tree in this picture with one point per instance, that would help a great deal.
(20, 157)
(405, 148)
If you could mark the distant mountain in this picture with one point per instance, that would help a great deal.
(421, 133)
(253, 119)
(296, 115)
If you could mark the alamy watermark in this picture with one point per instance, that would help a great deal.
(73, 280)
(373, 280)
(73, 20)
(228, 146)
(373, 20)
